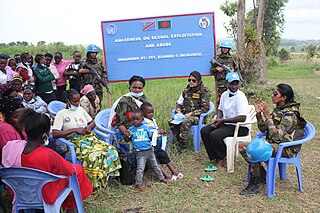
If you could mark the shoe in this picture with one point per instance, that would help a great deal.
(177, 177)
(207, 178)
(221, 162)
(210, 168)
(263, 175)
(253, 187)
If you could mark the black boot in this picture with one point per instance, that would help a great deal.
(253, 187)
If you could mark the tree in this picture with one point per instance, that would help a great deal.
(293, 49)
(311, 51)
(284, 55)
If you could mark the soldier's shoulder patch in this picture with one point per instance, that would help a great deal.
(285, 121)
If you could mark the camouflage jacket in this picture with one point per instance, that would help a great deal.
(125, 108)
(196, 100)
(285, 125)
(89, 78)
(225, 59)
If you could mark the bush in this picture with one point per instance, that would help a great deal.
(284, 54)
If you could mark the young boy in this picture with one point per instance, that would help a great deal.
(140, 137)
(72, 72)
(161, 154)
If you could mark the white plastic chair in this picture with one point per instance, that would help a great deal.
(232, 143)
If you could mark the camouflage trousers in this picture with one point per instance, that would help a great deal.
(181, 131)
(289, 152)
(220, 87)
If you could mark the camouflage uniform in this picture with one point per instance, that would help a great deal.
(89, 78)
(220, 77)
(197, 101)
(285, 125)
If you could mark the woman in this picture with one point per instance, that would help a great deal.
(11, 108)
(30, 100)
(282, 125)
(90, 101)
(33, 154)
(233, 108)
(193, 101)
(100, 160)
(5, 77)
(122, 109)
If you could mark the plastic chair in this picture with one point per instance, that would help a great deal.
(281, 162)
(27, 184)
(232, 143)
(101, 120)
(195, 129)
(55, 106)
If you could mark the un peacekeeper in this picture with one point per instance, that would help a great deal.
(193, 101)
(282, 125)
(87, 77)
(219, 73)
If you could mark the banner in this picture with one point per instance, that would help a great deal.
(159, 47)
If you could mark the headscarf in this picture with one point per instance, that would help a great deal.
(9, 104)
(86, 89)
(197, 75)
(8, 92)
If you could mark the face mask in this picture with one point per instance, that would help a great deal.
(136, 95)
(27, 64)
(233, 93)
(73, 108)
(43, 65)
(45, 139)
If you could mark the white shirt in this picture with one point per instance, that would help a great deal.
(233, 106)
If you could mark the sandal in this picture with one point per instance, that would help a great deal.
(207, 178)
(210, 168)
(221, 162)
(176, 177)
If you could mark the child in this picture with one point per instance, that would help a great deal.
(140, 136)
(72, 72)
(161, 154)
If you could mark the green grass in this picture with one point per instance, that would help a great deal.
(221, 195)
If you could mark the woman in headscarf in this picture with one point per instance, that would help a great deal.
(90, 101)
(11, 108)
(193, 101)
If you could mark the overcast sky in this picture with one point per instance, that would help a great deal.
(79, 21)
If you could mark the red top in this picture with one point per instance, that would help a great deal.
(48, 160)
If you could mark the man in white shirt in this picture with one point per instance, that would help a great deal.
(233, 108)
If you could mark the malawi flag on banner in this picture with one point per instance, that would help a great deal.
(164, 24)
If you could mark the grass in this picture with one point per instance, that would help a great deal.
(221, 195)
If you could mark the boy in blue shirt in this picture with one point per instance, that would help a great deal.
(140, 137)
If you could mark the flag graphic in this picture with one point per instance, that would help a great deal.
(164, 24)
(149, 25)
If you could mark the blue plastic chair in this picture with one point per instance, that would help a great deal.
(281, 162)
(27, 184)
(55, 106)
(195, 129)
(101, 120)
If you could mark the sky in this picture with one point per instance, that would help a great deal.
(79, 21)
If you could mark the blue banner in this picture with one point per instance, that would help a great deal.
(159, 47)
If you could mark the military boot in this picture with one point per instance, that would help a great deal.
(263, 175)
(253, 187)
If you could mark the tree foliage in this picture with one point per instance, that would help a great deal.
(311, 51)
(284, 54)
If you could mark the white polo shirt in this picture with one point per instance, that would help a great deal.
(234, 106)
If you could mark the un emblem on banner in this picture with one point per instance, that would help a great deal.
(111, 29)
(204, 22)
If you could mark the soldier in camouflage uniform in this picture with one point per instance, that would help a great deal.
(193, 101)
(87, 77)
(219, 73)
(284, 124)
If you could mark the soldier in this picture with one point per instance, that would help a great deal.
(193, 101)
(86, 73)
(219, 73)
(284, 124)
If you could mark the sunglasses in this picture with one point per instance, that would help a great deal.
(275, 93)
(134, 87)
(193, 80)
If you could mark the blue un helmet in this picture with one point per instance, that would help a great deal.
(259, 150)
(226, 44)
(91, 48)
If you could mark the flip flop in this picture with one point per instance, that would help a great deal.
(210, 168)
(207, 178)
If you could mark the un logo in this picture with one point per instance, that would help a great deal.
(111, 29)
